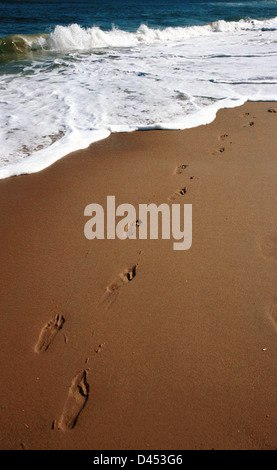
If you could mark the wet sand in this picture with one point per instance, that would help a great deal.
(128, 344)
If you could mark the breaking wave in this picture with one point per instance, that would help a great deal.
(74, 37)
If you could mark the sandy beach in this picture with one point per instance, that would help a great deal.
(128, 344)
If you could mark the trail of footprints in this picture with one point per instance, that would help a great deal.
(79, 389)
(78, 392)
(251, 123)
(48, 333)
(179, 193)
(76, 399)
(268, 243)
(224, 138)
(114, 288)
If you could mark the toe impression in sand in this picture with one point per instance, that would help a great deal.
(75, 402)
(48, 333)
(112, 290)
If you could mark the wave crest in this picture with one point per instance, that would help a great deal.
(75, 37)
(22, 43)
(78, 38)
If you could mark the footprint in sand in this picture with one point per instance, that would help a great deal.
(251, 123)
(272, 312)
(179, 170)
(177, 194)
(77, 397)
(48, 333)
(268, 246)
(272, 110)
(223, 137)
(221, 150)
(98, 349)
(113, 289)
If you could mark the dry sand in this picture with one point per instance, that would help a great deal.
(184, 354)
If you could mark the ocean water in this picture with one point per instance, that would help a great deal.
(72, 72)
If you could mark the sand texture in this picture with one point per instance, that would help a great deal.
(129, 344)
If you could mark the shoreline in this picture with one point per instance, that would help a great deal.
(184, 356)
(39, 163)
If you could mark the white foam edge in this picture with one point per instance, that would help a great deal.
(78, 140)
(203, 116)
(37, 161)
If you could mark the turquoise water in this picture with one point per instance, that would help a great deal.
(73, 72)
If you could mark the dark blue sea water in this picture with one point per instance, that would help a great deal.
(72, 72)
(41, 16)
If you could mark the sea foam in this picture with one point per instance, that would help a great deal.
(76, 85)
(76, 37)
